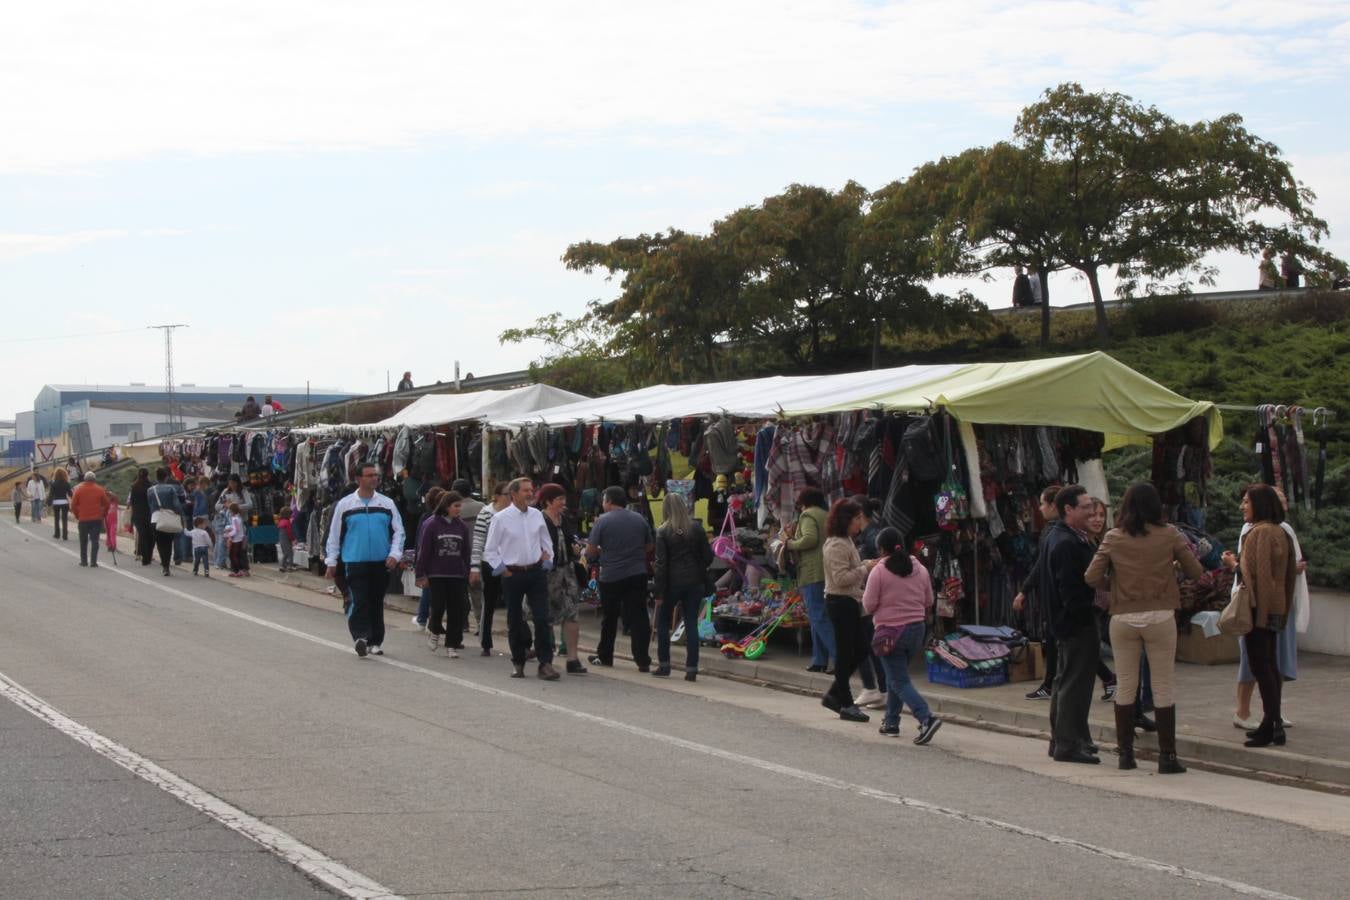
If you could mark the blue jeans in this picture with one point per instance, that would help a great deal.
(686, 598)
(900, 690)
(822, 632)
(424, 606)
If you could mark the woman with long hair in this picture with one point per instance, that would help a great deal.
(58, 498)
(139, 500)
(163, 498)
(845, 577)
(1137, 560)
(682, 559)
(899, 597)
(444, 546)
(1268, 566)
(806, 539)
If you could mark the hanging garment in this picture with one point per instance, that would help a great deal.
(402, 449)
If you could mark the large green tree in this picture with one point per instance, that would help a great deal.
(1151, 197)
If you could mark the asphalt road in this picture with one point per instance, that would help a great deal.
(435, 777)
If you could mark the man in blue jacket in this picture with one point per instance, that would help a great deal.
(367, 538)
(1065, 553)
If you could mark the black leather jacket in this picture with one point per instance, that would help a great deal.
(681, 559)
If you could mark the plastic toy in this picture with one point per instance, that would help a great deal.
(753, 645)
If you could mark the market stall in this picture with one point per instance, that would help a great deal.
(952, 454)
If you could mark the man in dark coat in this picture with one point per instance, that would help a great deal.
(1065, 553)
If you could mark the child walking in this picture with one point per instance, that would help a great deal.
(286, 537)
(237, 534)
(203, 539)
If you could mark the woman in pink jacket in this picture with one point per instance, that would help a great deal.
(899, 598)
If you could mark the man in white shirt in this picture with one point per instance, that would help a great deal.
(37, 493)
(519, 550)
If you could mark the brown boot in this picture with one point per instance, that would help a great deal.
(1168, 764)
(1125, 736)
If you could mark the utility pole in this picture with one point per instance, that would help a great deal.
(168, 366)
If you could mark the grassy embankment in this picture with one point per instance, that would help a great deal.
(1276, 350)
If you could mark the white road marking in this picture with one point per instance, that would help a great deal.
(316, 865)
(1129, 859)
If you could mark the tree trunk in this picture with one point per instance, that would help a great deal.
(1103, 328)
(876, 342)
(1044, 278)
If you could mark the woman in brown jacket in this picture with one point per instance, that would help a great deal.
(845, 579)
(1269, 568)
(1137, 560)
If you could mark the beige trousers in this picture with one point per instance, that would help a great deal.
(1160, 642)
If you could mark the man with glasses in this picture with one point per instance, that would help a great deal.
(1064, 556)
(367, 534)
(518, 549)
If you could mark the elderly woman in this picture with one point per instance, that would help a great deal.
(1137, 560)
(1268, 566)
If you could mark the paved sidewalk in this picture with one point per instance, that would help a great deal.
(1319, 742)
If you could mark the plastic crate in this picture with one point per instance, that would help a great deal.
(942, 673)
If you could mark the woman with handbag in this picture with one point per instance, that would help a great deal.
(806, 539)
(681, 580)
(1286, 645)
(1137, 561)
(166, 516)
(1268, 569)
(845, 577)
(899, 598)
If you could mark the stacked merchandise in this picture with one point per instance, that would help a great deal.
(974, 656)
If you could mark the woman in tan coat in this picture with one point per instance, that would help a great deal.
(1269, 569)
(1137, 561)
(845, 578)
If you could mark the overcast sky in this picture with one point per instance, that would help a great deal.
(326, 191)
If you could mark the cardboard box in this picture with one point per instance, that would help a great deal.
(1025, 668)
(1194, 647)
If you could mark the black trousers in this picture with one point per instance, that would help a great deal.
(164, 542)
(850, 647)
(366, 585)
(492, 598)
(1048, 648)
(90, 532)
(518, 589)
(18, 508)
(145, 541)
(1071, 700)
(449, 598)
(1264, 663)
(61, 521)
(625, 598)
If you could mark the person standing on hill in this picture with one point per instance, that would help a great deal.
(405, 384)
(1021, 295)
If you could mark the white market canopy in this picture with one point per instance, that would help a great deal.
(478, 406)
(1091, 391)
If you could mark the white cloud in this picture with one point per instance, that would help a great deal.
(88, 82)
(13, 246)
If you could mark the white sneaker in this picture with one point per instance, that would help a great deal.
(433, 643)
(870, 698)
(420, 626)
(451, 653)
(376, 650)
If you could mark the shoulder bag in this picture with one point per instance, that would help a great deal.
(1236, 618)
(165, 520)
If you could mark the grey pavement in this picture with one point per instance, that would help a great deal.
(1319, 743)
(443, 777)
(74, 824)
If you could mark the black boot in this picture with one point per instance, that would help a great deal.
(1125, 736)
(1168, 764)
(1143, 722)
(1270, 732)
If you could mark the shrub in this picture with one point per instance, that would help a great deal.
(1157, 316)
(1316, 307)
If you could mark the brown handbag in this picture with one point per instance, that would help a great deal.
(1236, 617)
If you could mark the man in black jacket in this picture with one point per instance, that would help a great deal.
(1064, 557)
